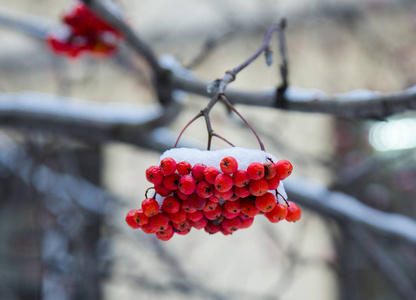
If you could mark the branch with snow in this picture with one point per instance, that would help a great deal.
(345, 208)
(86, 120)
(361, 103)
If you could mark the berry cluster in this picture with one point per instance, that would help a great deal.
(217, 200)
(84, 31)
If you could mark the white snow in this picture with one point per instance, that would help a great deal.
(244, 157)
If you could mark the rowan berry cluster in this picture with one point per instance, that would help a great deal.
(83, 31)
(216, 200)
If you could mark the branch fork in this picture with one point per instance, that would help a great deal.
(218, 86)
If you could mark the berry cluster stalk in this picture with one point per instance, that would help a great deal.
(220, 85)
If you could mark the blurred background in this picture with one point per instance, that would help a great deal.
(64, 200)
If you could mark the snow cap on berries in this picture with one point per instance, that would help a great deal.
(244, 157)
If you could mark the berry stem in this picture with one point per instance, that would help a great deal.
(150, 188)
(200, 114)
(221, 84)
(277, 193)
(222, 138)
(228, 103)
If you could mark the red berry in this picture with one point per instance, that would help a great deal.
(231, 225)
(200, 224)
(167, 166)
(198, 172)
(255, 170)
(184, 232)
(214, 199)
(232, 206)
(184, 168)
(246, 222)
(204, 189)
(160, 222)
(184, 226)
(283, 169)
(185, 207)
(212, 228)
(165, 235)
(171, 204)
(242, 192)
(229, 215)
(196, 202)
(179, 216)
(162, 190)
(196, 216)
(150, 207)
(171, 182)
(258, 187)
(187, 184)
(273, 183)
(223, 183)
(209, 205)
(213, 214)
(234, 196)
(269, 170)
(266, 202)
(224, 232)
(240, 178)
(249, 208)
(278, 213)
(148, 229)
(224, 195)
(132, 219)
(210, 173)
(154, 175)
(218, 220)
(141, 218)
(243, 216)
(228, 165)
(181, 196)
(293, 212)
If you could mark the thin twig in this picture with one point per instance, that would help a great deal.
(209, 45)
(229, 77)
(260, 50)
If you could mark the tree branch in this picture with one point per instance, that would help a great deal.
(364, 104)
(89, 121)
(345, 208)
(34, 26)
(139, 46)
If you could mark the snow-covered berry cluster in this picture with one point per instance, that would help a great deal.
(83, 31)
(218, 191)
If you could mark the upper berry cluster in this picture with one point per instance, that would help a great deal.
(217, 199)
(83, 31)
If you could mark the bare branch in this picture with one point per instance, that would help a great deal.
(345, 208)
(62, 186)
(35, 26)
(90, 121)
(365, 104)
(207, 49)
